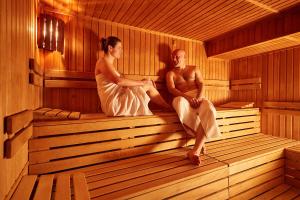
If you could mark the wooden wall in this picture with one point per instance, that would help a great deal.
(271, 27)
(280, 72)
(145, 53)
(17, 39)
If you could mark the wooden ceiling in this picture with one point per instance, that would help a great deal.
(195, 19)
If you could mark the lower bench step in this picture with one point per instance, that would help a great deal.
(46, 187)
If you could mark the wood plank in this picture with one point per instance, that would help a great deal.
(74, 115)
(203, 191)
(69, 74)
(246, 81)
(46, 143)
(13, 145)
(63, 189)
(95, 125)
(81, 191)
(246, 87)
(222, 195)
(273, 192)
(282, 105)
(47, 155)
(18, 121)
(290, 194)
(253, 172)
(69, 84)
(105, 173)
(159, 180)
(98, 158)
(25, 188)
(44, 188)
(253, 192)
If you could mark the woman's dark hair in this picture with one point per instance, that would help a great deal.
(111, 40)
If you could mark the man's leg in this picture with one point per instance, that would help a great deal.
(194, 154)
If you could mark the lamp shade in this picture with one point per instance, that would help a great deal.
(50, 33)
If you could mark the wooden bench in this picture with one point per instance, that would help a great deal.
(235, 168)
(145, 157)
(293, 166)
(283, 191)
(63, 145)
(47, 187)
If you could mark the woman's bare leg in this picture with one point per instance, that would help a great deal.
(156, 97)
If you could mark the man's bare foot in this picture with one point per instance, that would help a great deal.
(195, 159)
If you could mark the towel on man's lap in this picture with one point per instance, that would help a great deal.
(204, 115)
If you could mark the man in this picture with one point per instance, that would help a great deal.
(196, 113)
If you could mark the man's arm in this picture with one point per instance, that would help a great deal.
(199, 83)
(175, 92)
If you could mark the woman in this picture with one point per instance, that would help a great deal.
(120, 96)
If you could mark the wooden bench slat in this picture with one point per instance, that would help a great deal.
(44, 188)
(125, 163)
(46, 143)
(76, 127)
(69, 84)
(222, 195)
(248, 184)
(273, 192)
(53, 112)
(13, 145)
(18, 121)
(135, 174)
(63, 189)
(255, 171)
(253, 192)
(98, 158)
(99, 174)
(163, 179)
(74, 115)
(47, 155)
(207, 184)
(289, 194)
(245, 81)
(273, 148)
(64, 114)
(81, 191)
(25, 188)
(202, 191)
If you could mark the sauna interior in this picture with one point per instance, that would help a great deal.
(56, 143)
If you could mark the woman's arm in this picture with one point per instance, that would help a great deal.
(113, 75)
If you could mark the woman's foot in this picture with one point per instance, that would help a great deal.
(195, 159)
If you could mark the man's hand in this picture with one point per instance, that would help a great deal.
(194, 102)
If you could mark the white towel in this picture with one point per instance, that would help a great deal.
(122, 101)
(204, 116)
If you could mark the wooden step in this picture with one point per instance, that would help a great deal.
(292, 175)
(255, 164)
(64, 145)
(57, 187)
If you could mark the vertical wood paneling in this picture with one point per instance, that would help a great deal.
(18, 44)
(144, 53)
(280, 72)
